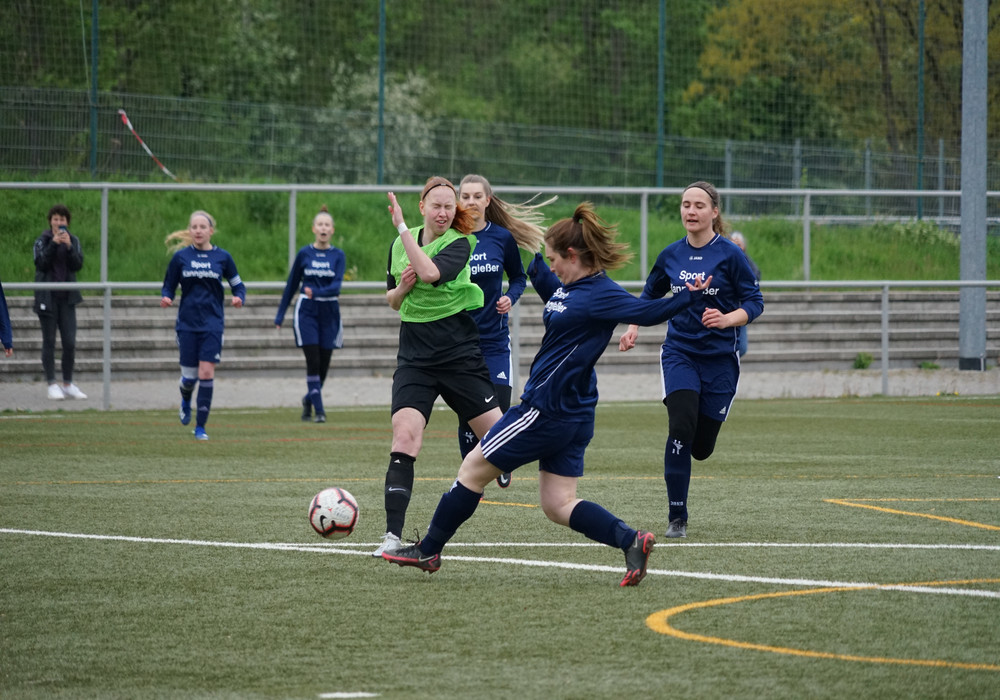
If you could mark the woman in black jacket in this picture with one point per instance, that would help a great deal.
(58, 257)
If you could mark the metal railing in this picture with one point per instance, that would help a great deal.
(884, 285)
(804, 200)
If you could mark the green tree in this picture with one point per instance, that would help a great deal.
(836, 70)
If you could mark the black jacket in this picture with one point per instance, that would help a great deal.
(45, 256)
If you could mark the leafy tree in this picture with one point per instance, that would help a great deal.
(844, 70)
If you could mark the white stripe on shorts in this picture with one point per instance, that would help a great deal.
(510, 432)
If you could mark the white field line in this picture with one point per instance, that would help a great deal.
(361, 549)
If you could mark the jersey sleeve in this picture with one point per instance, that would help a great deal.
(291, 287)
(517, 281)
(172, 277)
(543, 279)
(748, 289)
(658, 282)
(616, 304)
(390, 281)
(451, 259)
(233, 277)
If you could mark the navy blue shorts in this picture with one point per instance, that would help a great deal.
(318, 323)
(199, 346)
(500, 367)
(714, 378)
(524, 435)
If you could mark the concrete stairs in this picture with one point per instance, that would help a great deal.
(798, 331)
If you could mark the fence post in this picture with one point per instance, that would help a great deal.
(940, 179)
(806, 234)
(868, 176)
(728, 175)
(885, 340)
(106, 345)
(292, 203)
(643, 235)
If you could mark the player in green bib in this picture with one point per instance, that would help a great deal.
(428, 282)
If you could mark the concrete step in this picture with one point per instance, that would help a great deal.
(799, 330)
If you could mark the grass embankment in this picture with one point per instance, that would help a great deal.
(253, 226)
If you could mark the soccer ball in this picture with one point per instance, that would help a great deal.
(333, 513)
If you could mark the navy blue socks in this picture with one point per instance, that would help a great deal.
(455, 507)
(677, 474)
(595, 523)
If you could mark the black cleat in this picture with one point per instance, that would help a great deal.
(636, 558)
(412, 556)
(504, 480)
(307, 408)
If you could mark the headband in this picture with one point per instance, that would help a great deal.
(436, 184)
(715, 200)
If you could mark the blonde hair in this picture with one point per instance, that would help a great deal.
(522, 220)
(464, 221)
(593, 239)
(182, 239)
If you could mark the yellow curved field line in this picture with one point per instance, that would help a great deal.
(659, 622)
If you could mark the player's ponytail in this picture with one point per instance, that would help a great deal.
(590, 237)
(522, 220)
(182, 239)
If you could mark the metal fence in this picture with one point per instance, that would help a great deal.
(809, 206)
(48, 130)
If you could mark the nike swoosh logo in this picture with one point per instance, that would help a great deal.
(394, 488)
(488, 399)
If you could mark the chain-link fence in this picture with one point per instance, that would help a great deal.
(564, 92)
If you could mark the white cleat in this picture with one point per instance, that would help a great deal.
(56, 392)
(390, 545)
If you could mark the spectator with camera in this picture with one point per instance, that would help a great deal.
(58, 257)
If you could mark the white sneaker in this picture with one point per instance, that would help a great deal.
(390, 544)
(56, 392)
(73, 392)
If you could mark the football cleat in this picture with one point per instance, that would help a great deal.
(185, 412)
(411, 555)
(307, 408)
(390, 543)
(636, 558)
(677, 528)
(200, 434)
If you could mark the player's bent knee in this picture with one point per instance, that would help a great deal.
(705, 437)
(702, 453)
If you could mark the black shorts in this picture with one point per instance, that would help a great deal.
(467, 390)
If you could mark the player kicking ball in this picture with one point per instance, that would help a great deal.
(554, 422)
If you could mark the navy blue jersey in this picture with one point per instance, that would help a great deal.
(496, 254)
(320, 270)
(579, 320)
(734, 286)
(200, 274)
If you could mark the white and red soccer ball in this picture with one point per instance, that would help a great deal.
(333, 513)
